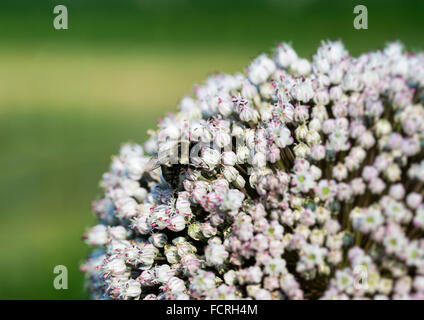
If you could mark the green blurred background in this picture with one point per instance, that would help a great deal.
(68, 98)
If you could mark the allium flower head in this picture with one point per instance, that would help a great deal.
(295, 180)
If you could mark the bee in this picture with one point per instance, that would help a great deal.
(170, 172)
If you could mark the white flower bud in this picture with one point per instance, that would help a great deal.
(248, 114)
(336, 93)
(237, 131)
(230, 277)
(176, 223)
(229, 158)
(318, 152)
(315, 124)
(239, 182)
(266, 90)
(383, 127)
(164, 273)
(313, 137)
(285, 55)
(222, 139)
(265, 111)
(171, 254)
(211, 157)
(397, 191)
(303, 91)
(116, 266)
(301, 132)
(225, 107)
(215, 254)
(301, 150)
(230, 173)
(322, 98)
(414, 200)
(232, 200)
(393, 173)
(175, 284)
(118, 233)
(260, 69)
(259, 160)
(301, 67)
(131, 288)
(242, 153)
(159, 239)
(97, 235)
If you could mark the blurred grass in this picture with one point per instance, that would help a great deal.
(68, 99)
(51, 164)
(133, 79)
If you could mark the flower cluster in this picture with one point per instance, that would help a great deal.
(300, 180)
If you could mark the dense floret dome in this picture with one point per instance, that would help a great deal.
(295, 180)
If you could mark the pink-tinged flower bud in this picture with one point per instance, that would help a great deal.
(131, 288)
(339, 109)
(175, 284)
(164, 273)
(176, 223)
(301, 113)
(414, 200)
(115, 266)
(322, 98)
(274, 154)
(340, 172)
(369, 173)
(358, 186)
(229, 158)
(303, 91)
(397, 191)
(411, 147)
(127, 208)
(225, 107)
(377, 185)
(190, 263)
(318, 152)
(328, 126)
(208, 230)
